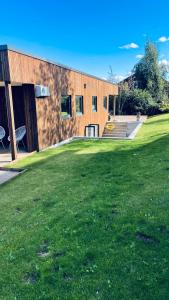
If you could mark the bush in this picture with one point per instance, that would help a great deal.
(138, 100)
(164, 108)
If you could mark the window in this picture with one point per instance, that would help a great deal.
(66, 109)
(105, 102)
(79, 105)
(94, 103)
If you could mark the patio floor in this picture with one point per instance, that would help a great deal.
(5, 156)
(128, 118)
(5, 159)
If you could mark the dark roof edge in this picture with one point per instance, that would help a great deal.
(6, 47)
(3, 47)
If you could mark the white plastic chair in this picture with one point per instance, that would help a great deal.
(20, 133)
(2, 135)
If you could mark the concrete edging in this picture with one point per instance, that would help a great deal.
(133, 134)
(14, 172)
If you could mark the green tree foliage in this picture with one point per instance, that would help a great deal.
(124, 93)
(148, 73)
(147, 89)
(138, 100)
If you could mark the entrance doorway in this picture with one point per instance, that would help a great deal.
(24, 115)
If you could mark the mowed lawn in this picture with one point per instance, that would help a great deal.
(89, 220)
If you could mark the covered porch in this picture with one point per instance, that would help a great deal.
(17, 116)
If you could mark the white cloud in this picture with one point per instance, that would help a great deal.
(129, 46)
(118, 78)
(163, 39)
(164, 62)
(139, 56)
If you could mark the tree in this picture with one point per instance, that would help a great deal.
(124, 92)
(111, 76)
(148, 74)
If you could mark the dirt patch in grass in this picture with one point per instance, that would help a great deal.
(148, 239)
(36, 199)
(18, 210)
(43, 250)
(31, 278)
(67, 276)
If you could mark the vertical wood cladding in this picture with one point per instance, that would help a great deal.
(52, 128)
(30, 117)
(4, 66)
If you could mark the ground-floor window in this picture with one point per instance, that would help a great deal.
(105, 102)
(94, 103)
(79, 105)
(66, 107)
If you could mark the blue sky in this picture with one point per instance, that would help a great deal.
(87, 35)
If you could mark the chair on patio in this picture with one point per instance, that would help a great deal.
(2, 135)
(20, 133)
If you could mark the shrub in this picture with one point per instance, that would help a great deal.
(138, 100)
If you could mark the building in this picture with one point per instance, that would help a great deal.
(53, 101)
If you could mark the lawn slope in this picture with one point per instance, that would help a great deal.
(89, 220)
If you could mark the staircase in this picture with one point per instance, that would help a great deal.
(116, 130)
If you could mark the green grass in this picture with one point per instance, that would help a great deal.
(89, 220)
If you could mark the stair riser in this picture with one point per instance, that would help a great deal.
(113, 135)
(119, 130)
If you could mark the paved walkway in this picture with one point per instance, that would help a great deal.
(5, 159)
(128, 118)
(7, 175)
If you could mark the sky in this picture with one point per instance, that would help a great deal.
(88, 35)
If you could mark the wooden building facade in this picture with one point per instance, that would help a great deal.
(74, 100)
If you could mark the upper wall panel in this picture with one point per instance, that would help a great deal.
(28, 69)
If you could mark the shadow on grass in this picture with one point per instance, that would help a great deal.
(127, 156)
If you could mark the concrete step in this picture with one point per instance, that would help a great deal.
(115, 134)
(119, 130)
(118, 135)
(120, 126)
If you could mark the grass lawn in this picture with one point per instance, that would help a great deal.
(89, 220)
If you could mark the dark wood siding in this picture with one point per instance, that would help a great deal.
(30, 117)
(4, 66)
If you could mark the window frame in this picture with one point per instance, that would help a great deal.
(68, 115)
(105, 98)
(79, 113)
(95, 104)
